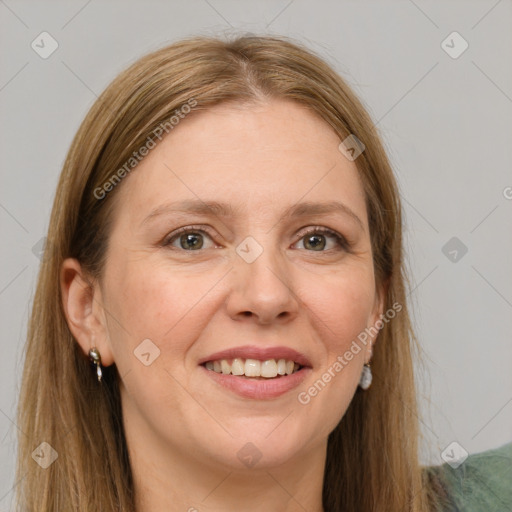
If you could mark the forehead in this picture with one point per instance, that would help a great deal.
(259, 158)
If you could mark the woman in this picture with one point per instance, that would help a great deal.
(225, 251)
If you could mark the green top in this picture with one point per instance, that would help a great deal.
(482, 483)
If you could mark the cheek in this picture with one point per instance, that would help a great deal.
(343, 306)
(154, 302)
(171, 309)
(341, 310)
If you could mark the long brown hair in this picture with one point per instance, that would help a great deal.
(372, 458)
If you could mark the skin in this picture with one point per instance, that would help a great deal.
(183, 430)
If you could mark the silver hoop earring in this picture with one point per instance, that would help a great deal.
(366, 377)
(94, 356)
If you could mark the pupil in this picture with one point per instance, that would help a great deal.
(318, 238)
(193, 239)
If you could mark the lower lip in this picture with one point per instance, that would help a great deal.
(259, 389)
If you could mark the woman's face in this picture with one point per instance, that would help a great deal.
(256, 277)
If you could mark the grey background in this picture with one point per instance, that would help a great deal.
(446, 124)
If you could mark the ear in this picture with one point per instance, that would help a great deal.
(381, 292)
(83, 307)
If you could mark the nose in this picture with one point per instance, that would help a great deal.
(263, 291)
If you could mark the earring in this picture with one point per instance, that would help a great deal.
(94, 356)
(366, 377)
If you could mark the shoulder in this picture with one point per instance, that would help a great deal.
(483, 482)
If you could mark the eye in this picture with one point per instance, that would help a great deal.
(315, 240)
(189, 238)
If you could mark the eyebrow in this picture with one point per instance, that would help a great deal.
(214, 208)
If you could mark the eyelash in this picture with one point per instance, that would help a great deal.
(340, 239)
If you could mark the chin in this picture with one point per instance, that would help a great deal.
(256, 451)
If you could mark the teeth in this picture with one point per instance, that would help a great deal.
(254, 368)
(238, 367)
(225, 367)
(269, 368)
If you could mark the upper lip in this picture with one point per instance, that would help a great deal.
(260, 353)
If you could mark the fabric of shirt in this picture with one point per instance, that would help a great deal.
(482, 483)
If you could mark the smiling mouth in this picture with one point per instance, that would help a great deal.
(254, 369)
